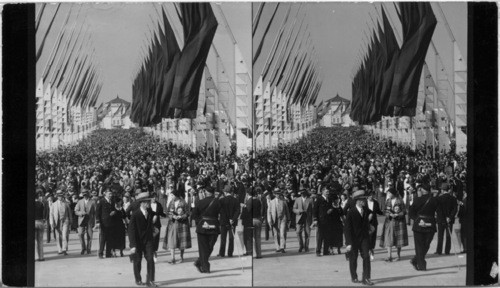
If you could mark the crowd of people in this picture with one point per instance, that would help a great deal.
(105, 181)
(324, 175)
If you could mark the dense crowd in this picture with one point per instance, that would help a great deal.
(312, 183)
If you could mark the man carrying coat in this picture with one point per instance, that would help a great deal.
(206, 214)
(60, 219)
(357, 236)
(140, 234)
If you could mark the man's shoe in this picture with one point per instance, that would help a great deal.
(437, 253)
(151, 284)
(139, 283)
(88, 252)
(41, 260)
(318, 254)
(101, 257)
(229, 256)
(65, 253)
(300, 250)
(60, 252)
(218, 255)
(306, 250)
(198, 266)
(283, 251)
(83, 252)
(414, 264)
(354, 280)
(278, 250)
(446, 253)
(367, 282)
(258, 257)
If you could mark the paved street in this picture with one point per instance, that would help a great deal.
(90, 271)
(306, 269)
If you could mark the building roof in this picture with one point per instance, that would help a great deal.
(118, 100)
(337, 98)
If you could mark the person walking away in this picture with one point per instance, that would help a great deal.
(85, 210)
(229, 214)
(206, 214)
(445, 218)
(254, 206)
(422, 212)
(303, 209)
(357, 234)
(140, 234)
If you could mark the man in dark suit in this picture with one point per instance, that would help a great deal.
(104, 212)
(140, 234)
(322, 208)
(445, 218)
(206, 214)
(424, 225)
(357, 237)
(229, 214)
(303, 209)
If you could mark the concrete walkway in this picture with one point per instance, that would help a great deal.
(306, 269)
(90, 271)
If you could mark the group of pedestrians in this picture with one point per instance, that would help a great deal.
(335, 183)
(317, 181)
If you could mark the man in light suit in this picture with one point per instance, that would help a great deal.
(60, 219)
(85, 210)
(278, 216)
(303, 209)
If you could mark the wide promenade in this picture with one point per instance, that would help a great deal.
(90, 271)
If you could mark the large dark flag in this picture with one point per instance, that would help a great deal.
(419, 23)
(171, 56)
(199, 24)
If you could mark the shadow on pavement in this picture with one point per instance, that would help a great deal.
(183, 280)
(398, 278)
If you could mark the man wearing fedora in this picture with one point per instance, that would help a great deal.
(206, 214)
(357, 236)
(60, 219)
(446, 212)
(422, 212)
(140, 234)
(85, 210)
(303, 209)
(278, 216)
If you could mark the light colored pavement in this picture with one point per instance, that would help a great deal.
(306, 269)
(90, 271)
